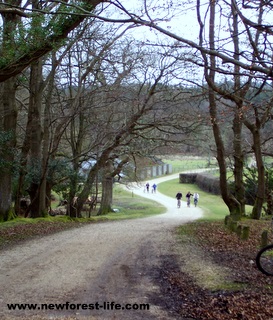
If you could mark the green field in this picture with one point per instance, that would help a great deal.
(189, 163)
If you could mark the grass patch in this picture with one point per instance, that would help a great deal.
(131, 206)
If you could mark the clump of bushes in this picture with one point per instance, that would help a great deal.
(206, 182)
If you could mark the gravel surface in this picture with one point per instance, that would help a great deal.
(98, 263)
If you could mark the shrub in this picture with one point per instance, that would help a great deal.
(208, 183)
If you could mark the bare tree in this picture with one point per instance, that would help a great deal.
(243, 63)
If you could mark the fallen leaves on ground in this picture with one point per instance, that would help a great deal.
(20, 232)
(250, 296)
(252, 300)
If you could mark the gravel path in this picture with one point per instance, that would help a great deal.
(99, 263)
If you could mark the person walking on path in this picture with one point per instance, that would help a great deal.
(188, 196)
(178, 197)
(154, 188)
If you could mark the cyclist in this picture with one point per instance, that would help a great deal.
(195, 198)
(178, 197)
(188, 196)
(147, 186)
(154, 188)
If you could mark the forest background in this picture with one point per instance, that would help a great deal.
(82, 100)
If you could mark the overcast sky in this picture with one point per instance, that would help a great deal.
(172, 15)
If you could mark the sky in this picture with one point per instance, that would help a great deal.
(174, 15)
(179, 17)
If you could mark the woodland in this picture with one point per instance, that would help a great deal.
(83, 99)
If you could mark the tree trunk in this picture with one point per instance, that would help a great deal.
(238, 161)
(45, 188)
(232, 203)
(240, 92)
(9, 118)
(107, 185)
(5, 197)
(92, 176)
(35, 135)
(76, 140)
(107, 189)
(72, 208)
(51, 137)
(9, 112)
(257, 148)
(268, 194)
(260, 196)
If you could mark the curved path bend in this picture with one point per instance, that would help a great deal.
(99, 264)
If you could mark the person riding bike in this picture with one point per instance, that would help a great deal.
(188, 196)
(178, 197)
(195, 198)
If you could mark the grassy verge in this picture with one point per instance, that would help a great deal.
(132, 206)
(128, 207)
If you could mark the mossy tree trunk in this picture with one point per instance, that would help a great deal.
(8, 142)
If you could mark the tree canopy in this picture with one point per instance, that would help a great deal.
(77, 85)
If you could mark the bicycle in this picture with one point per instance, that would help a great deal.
(195, 201)
(195, 198)
(178, 203)
(188, 196)
(264, 258)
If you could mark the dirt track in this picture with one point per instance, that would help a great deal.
(104, 263)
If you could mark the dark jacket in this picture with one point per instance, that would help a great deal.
(179, 196)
